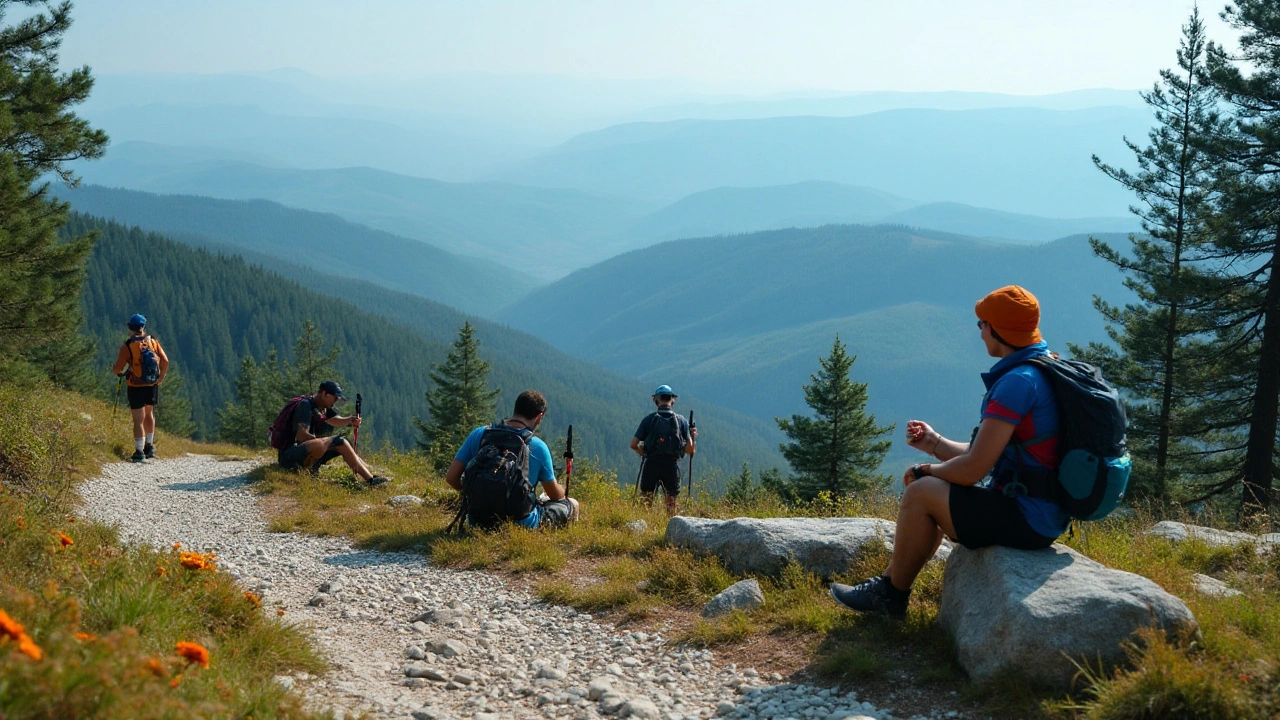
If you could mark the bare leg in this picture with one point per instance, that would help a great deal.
(148, 421)
(671, 504)
(354, 462)
(139, 422)
(924, 515)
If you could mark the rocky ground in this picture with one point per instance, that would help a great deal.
(406, 639)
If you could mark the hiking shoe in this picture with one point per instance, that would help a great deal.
(137, 456)
(149, 451)
(377, 480)
(869, 596)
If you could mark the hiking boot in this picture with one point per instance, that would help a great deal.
(149, 451)
(870, 596)
(137, 456)
(377, 480)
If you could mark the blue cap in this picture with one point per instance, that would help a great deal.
(665, 390)
(332, 388)
(136, 320)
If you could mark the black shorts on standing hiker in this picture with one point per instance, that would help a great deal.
(660, 470)
(142, 396)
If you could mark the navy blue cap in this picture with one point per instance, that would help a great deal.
(665, 390)
(137, 320)
(332, 388)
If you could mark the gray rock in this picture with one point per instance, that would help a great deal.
(429, 713)
(823, 546)
(1212, 587)
(404, 500)
(413, 652)
(724, 707)
(419, 626)
(284, 681)
(463, 678)
(551, 673)
(413, 682)
(1212, 537)
(331, 586)
(319, 599)
(742, 595)
(598, 687)
(642, 708)
(424, 671)
(448, 648)
(611, 703)
(1032, 610)
(638, 526)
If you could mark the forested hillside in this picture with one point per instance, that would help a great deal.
(744, 318)
(317, 240)
(210, 309)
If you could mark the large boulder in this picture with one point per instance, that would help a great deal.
(1031, 612)
(762, 546)
(1212, 537)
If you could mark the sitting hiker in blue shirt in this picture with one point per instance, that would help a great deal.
(1018, 436)
(498, 466)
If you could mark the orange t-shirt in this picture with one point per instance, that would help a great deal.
(124, 359)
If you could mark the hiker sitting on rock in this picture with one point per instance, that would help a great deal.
(301, 434)
(497, 467)
(1018, 438)
(663, 440)
(145, 363)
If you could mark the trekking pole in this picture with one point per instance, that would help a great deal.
(116, 405)
(692, 426)
(639, 472)
(568, 461)
(355, 432)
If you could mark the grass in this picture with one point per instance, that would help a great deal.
(106, 618)
(604, 563)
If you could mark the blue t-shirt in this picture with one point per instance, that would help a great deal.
(1020, 394)
(540, 468)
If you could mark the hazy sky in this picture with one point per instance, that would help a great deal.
(1017, 46)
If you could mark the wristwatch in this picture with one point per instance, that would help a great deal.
(918, 471)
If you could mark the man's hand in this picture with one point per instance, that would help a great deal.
(355, 422)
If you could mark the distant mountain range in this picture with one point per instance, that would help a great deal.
(320, 241)
(744, 319)
(1022, 160)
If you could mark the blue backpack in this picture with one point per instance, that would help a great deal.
(1093, 473)
(144, 366)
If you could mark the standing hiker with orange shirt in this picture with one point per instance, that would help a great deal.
(145, 363)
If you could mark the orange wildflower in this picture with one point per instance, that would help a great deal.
(28, 647)
(155, 668)
(86, 637)
(176, 679)
(197, 561)
(194, 653)
(160, 570)
(65, 540)
(22, 524)
(11, 627)
(257, 601)
(177, 545)
(280, 612)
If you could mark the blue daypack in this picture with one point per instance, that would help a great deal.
(1093, 473)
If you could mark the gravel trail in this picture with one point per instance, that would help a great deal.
(406, 639)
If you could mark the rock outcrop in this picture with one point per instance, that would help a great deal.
(1213, 537)
(1031, 612)
(823, 546)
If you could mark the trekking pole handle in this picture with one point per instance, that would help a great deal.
(568, 461)
(355, 431)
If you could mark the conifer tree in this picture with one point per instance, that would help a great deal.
(459, 402)
(40, 276)
(1246, 246)
(837, 449)
(258, 401)
(1161, 338)
(311, 365)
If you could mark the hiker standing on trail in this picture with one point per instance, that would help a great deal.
(498, 466)
(303, 436)
(662, 441)
(145, 365)
(1018, 438)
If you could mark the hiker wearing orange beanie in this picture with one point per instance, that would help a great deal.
(1018, 433)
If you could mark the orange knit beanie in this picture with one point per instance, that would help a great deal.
(1013, 313)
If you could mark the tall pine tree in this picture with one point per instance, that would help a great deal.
(459, 402)
(1246, 245)
(258, 402)
(311, 365)
(40, 276)
(836, 450)
(1161, 338)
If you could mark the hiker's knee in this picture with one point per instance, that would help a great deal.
(927, 493)
(340, 444)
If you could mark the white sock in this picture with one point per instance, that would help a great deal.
(151, 438)
(137, 442)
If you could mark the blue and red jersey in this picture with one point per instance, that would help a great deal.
(1018, 393)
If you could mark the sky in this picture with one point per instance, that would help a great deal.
(738, 46)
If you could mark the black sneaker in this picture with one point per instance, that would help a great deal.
(137, 456)
(149, 451)
(870, 596)
(377, 480)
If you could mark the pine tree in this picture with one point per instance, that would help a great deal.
(311, 365)
(1161, 338)
(40, 276)
(459, 402)
(1246, 245)
(835, 450)
(742, 488)
(259, 401)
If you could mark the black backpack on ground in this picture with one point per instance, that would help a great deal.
(1093, 472)
(495, 484)
(664, 438)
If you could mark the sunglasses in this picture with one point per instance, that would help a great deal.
(982, 324)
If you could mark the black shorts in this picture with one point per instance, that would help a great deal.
(292, 458)
(664, 470)
(140, 397)
(983, 517)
